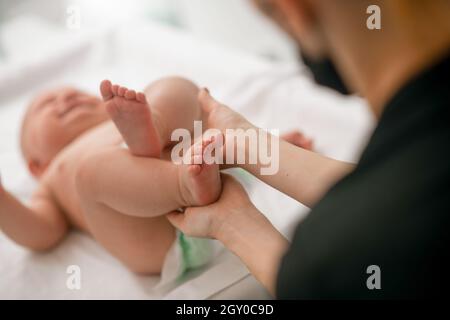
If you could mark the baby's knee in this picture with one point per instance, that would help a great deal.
(174, 101)
(169, 83)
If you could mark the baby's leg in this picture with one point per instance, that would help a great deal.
(146, 122)
(132, 116)
(114, 182)
(123, 198)
(146, 187)
(138, 186)
(141, 244)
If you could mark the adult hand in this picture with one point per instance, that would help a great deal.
(245, 231)
(220, 116)
(211, 221)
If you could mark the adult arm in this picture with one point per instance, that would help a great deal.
(235, 221)
(304, 175)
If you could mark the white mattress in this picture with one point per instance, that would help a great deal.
(270, 95)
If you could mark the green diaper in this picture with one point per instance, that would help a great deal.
(195, 252)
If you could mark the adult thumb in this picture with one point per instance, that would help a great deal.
(176, 218)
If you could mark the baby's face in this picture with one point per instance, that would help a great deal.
(53, 120)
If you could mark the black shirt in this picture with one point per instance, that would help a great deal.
(392, 211)
(325, 74)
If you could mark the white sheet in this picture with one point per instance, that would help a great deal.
(271, 96)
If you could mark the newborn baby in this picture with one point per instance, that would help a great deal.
(88, 180)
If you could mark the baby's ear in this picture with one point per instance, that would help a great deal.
(36, 168)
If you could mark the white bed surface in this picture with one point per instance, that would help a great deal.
(271, 96)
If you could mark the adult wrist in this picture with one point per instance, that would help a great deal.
(258, 244)
(237, 144)
(245, 222)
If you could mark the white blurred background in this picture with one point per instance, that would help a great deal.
(231, 23)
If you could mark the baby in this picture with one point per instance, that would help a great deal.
(88, 180)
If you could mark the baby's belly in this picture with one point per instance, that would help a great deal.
(63, 171)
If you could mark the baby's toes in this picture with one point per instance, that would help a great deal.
(115, 89)
(105, 90)
(141, 97)
(212, 149)
(194, 169)
(122, 91)
(197, 159)
(130, 95)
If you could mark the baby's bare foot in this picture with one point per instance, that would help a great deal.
(132, 116)
(200, 182)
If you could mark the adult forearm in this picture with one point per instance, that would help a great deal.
(304, 175)
(257, 243)
(301, 174)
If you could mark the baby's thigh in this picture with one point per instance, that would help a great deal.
(141, 244)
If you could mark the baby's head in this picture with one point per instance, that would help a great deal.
(53, 120)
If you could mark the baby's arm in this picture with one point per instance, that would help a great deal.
(39, 227)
